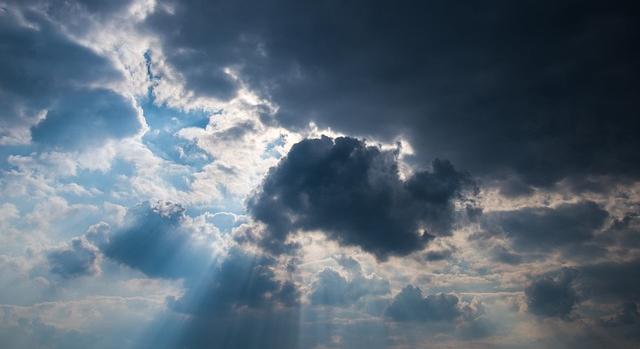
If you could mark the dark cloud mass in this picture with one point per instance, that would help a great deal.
(552, 296)
(155, 241)
(353, 193)
(534, 228)
(532, 91)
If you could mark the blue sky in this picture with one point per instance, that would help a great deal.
(283, 174)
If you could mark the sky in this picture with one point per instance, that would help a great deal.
(323, 174)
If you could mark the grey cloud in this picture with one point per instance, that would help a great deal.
(438, 255)
(627, 315)
(240, 287)
(242, 280)
(558, 292)
(353, 193)
(611, 281)
(543, 228)
(43, 71)
(331, 288)
(552, 295)
(153, 242)
(86, 118)
(78, 259)
(503, 255)
(486, 85)
(274, 329)
(410, 305)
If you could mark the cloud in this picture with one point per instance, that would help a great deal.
(438, 255)
(155, 241)
(410, 305)
(552, 295)
(558, 292)
(628, 315)
(46, 75)
(78, 259)
(241, 280)
(610, 280)
(276, 329)
(503, 255)
(353, 193)
(483, 85)
(543, 228)
(331, 288)
(86, 118)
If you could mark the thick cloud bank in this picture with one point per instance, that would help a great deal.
(488, 85)
(353, 193)
(543, 228)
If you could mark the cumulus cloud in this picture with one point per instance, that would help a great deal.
(438, 255)
(558, 293)
(410, 305)
(78, 259)
(155, 241)
(353, 193)
(552, 295)
(627, 315)
(331, 288)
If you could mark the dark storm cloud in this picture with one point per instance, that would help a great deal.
(331, 288)
(611, 280)
(627, 315)
(503, 255)
(552, 295)
(78, 259)
(557, 293)
(533, 91)
(153, 242)
(541, 228)
(353, 193)
(410, 305)
(42, 70)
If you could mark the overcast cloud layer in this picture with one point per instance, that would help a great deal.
(319, 174)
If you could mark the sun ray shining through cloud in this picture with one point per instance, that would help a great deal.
(319, 175)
